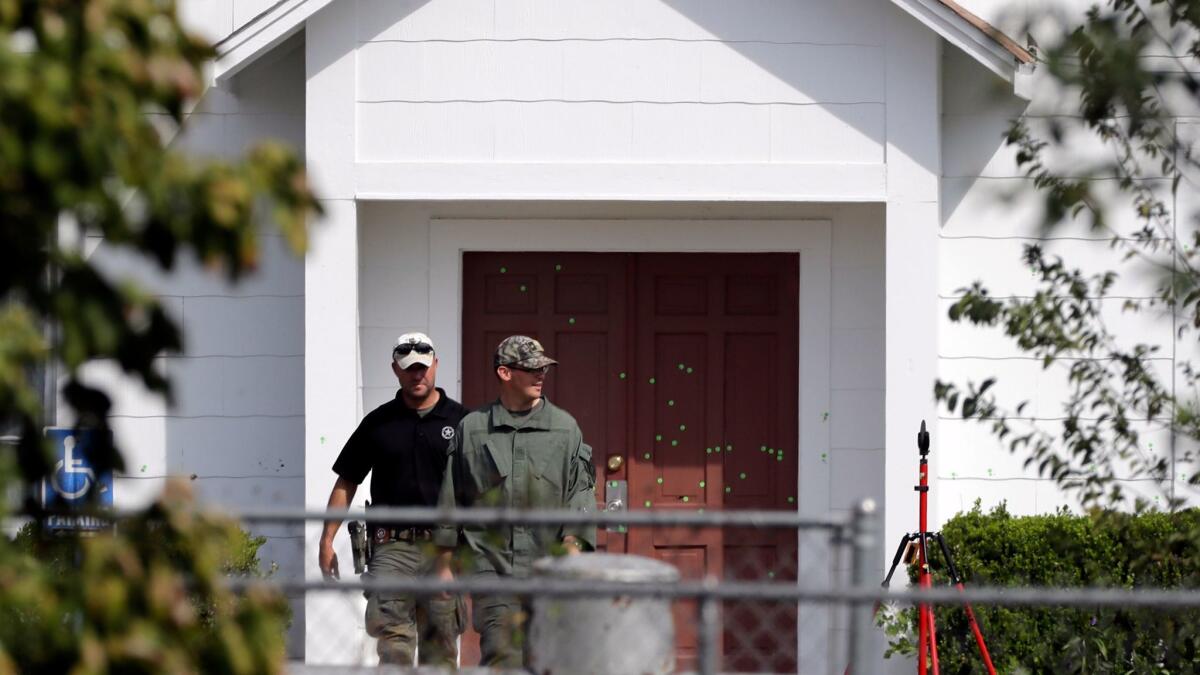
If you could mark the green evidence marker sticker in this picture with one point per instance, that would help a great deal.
(683, 427)
(791, 500)
(658, 437)
(503, 270)
(660, 480)
(571, 321)
(708, 451)
(621, 375)
(779, 457)
(728, 489)
(681, 366)
(558, 268)
(763, 449)
(702, 483)
(523, 288)
(646, 456)
(671, 402)
(674, 442)
(742, 475)
(652, 380)
(685, 498)
(647, 503)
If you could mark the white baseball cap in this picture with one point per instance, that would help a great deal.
(411, 349)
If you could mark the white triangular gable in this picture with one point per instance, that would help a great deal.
(996, 51)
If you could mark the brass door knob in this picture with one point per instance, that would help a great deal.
(615, 462)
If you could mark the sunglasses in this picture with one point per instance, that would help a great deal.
(532, 371)
(407, 348)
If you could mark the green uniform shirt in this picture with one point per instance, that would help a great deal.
(532, 461)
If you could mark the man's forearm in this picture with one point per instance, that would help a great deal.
(339, 500)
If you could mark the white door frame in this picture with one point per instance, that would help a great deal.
(811, 239)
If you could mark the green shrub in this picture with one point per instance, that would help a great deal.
(149, 597)
(1104, 549)
(59, 553)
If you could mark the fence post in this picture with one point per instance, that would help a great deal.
(864, 542)
(710, 627)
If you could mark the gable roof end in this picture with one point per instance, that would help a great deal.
(261, 34)
(987, 44)
(995, 50)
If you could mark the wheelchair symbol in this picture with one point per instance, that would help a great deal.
(76, 474)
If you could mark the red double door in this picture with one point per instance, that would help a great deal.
(682, 370)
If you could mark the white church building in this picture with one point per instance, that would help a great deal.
(778, 198)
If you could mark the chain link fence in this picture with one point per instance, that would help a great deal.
(809, 607)
(753, 590)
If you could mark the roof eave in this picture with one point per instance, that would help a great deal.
(996, 51)
(261, 34)
(979, 39)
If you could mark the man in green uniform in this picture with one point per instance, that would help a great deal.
(521, 452)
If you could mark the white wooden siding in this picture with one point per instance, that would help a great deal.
(989, 214)
(686, 82)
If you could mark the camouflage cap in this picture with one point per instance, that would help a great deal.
(522, 351)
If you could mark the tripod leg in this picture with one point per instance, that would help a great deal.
(896, 558)
(933, 654)
(971, 621)
(922, 639)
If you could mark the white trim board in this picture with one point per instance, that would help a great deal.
(390, 181)
(812, 239)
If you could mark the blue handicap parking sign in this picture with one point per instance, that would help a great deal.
(73, 482)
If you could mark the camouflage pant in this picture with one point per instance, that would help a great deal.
(502, 623)
(401, 621)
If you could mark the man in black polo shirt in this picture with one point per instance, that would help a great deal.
(404, 443)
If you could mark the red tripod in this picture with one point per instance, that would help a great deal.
(926, 630)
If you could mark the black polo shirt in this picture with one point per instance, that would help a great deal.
(406, 452)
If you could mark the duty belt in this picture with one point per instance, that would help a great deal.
(382, 535)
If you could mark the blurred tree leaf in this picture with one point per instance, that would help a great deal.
(1122, 78)
(80, 82)
(89, 89)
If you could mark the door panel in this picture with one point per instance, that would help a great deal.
(575, 304)
(716, 426)
(685, 366)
